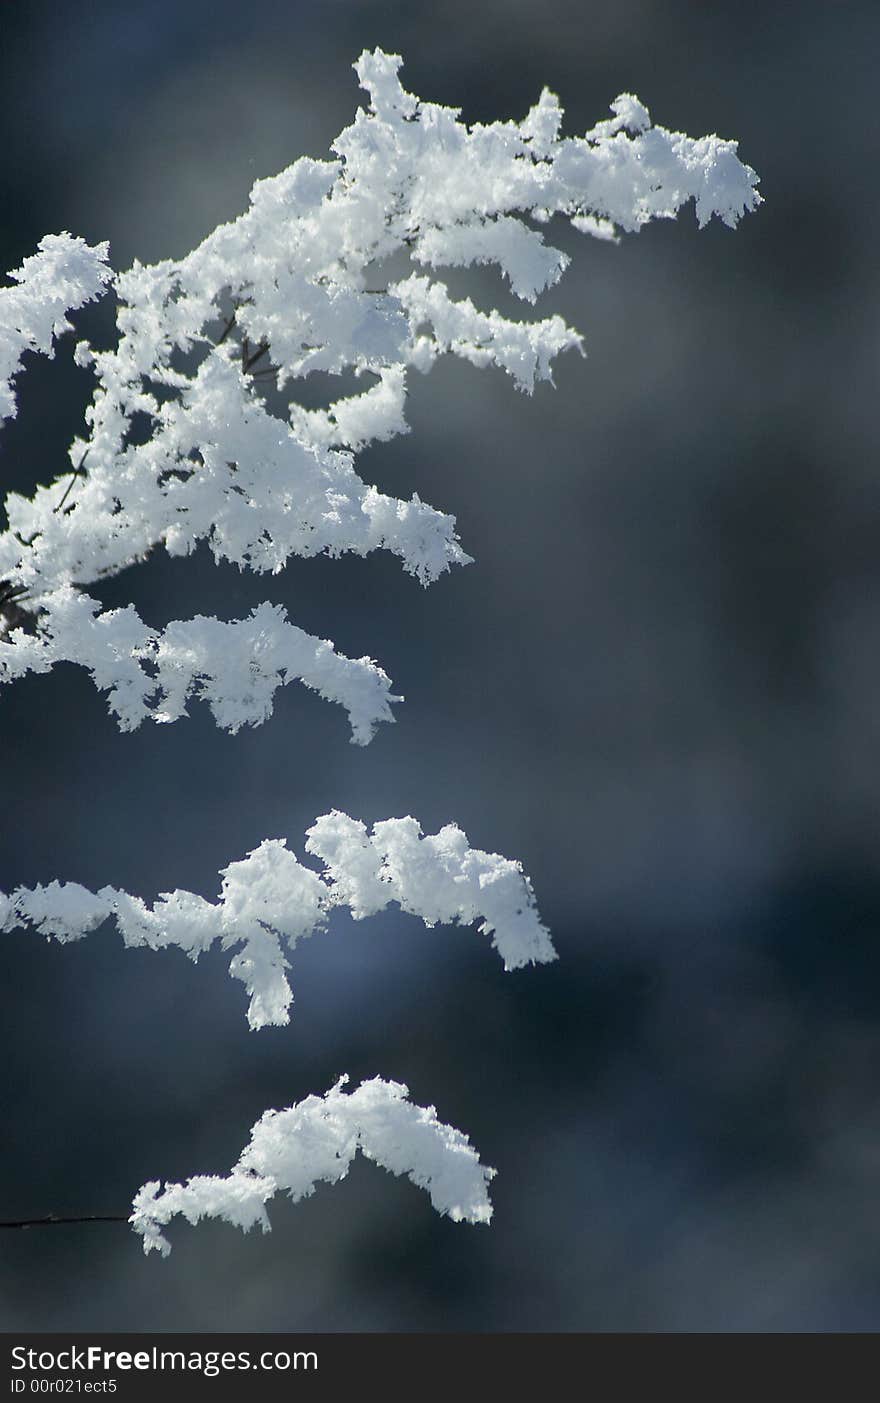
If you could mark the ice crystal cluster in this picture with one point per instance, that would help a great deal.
(184, 443)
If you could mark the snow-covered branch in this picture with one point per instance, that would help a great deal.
(182, 445)
(269, 901)
(315, 1142)
(235, 667)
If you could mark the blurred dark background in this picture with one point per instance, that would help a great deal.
(657, 687)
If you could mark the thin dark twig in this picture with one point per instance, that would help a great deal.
(52, 1220)
(12, 613)
(250, 361)
(75, 474)
(10, 592)
(226, 330)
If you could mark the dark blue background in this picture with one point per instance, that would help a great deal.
(657, 686)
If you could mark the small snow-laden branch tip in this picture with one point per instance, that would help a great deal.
(439, 878)
(235, 667)
(62, 275)
(283, 291)
(315, 1141)
(269, 901)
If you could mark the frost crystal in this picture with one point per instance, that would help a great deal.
(315, 1142)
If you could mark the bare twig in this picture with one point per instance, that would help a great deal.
(12, 615)
(74, 475)
(250, 361)
(52, 1220)
(226, 330)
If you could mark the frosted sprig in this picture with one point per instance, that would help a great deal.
(235, 667)
(315, 1141)
(270, 900)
